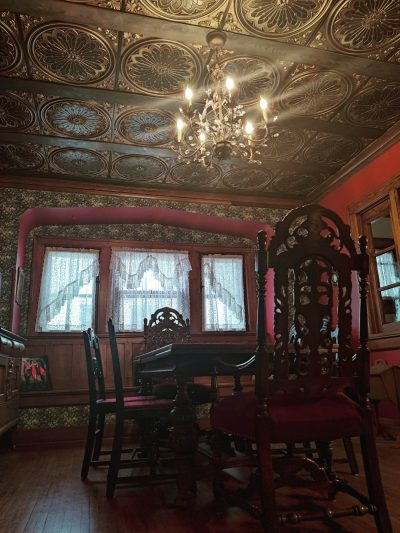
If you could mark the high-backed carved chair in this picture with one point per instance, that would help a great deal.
(99, 405)
(314, 393)
(147, 412)
(167, 326)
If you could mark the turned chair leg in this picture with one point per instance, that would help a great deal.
(351, 456)
(218, 445)
(113, 469)
(87, 457)
(374, 483)
(99, 436)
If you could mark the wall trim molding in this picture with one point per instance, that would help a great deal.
(104, 189)
(371, 152)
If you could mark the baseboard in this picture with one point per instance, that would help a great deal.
(59, 437)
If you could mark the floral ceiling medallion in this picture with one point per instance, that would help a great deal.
(375, 106)
(276, 19)
(159, 67)
(9, 50)
(315, 93)
(252, 75)
(247, 178)
(138, 168)
(284, 145)
(14, 113)
(332, 149)
(195, 174)
(71, 53)
(78, 162)
(296, 184)
(364, 27)
(182, 9)
(75, 118)
(20, 156)
(147, 127)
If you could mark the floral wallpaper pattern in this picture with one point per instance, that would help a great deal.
(15, 202)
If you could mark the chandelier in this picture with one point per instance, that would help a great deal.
(221, 130)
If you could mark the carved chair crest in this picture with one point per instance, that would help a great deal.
(166, 325)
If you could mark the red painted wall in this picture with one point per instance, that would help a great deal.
(371, 177)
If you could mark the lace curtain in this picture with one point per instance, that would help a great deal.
(142, 281)
(388, 272)
(223, 293)
(67, 291)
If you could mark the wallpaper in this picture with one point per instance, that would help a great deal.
(14, 202)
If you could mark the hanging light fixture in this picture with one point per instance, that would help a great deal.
(221, 129)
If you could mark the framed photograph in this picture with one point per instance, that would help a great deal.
(19, 287)
(35, 374)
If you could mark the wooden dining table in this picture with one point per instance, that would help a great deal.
(183, 362)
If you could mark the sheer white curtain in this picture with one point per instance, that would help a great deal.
(142, 281)
(388, 272)
(67, 290)
(223, 293)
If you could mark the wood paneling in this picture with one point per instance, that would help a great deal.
(68, 368)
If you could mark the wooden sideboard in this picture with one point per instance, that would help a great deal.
(11, 346)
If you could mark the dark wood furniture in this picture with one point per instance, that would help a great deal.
(167, 326)
(99, 405)
(317, 393)
(148, 412)
(184, 361)
(11, 346)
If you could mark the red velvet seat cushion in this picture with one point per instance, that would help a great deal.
(328, 418)
(145, 403)
(136, 398)
(197, 392)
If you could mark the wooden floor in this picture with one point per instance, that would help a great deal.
(41, 491)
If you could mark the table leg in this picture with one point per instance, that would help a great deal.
(183, 441)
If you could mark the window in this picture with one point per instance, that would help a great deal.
(84, 282)
(67, 291)
(145, 280)
(223, 293)
(380, 223)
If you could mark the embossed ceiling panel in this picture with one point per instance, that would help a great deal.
(70, 53)
(75, 118)
(89, 90)
(138, 169)
(147, 127)
(159, 67)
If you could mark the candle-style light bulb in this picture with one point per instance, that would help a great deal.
(229, 84)
(202, 137)
(264, 108)
(189, 95)
(180, 125)
(249, 128)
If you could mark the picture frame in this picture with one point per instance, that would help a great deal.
(19, 286)
(35, 374)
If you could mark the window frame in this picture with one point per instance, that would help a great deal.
(382, 336)
(103, 281)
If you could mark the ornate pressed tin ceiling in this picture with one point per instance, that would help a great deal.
(89, 89)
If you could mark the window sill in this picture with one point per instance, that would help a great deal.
(384, 341)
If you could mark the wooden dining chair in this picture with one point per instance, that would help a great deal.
(148, 413)
(167, 326)
(99, 405)
(316, 393)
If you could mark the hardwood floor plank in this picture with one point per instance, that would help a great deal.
(41, 492)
